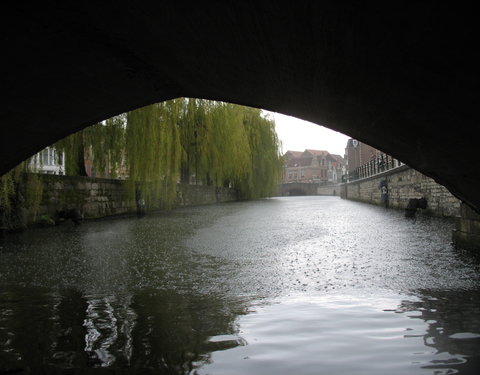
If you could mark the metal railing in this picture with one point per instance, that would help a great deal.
(379, 164)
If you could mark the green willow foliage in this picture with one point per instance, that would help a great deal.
(153, 152)
(75, 146)
(21, 188)
(188, 140)
(7, 189)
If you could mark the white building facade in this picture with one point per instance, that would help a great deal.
(48, 161)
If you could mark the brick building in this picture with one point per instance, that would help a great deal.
(120, 172)
(363, 161)
(358, 154)
(313, 166)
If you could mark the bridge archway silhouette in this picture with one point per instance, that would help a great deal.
(392, 76)
(296, 192)
(298, 188)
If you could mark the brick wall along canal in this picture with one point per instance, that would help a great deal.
(305, 285)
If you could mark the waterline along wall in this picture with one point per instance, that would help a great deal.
(98, 197)
(403, 183)
(467, 229)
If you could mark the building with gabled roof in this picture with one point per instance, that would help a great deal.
(294, 154)
(312, 166)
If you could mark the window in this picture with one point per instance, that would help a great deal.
(45, 157)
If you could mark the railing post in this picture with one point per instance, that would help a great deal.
(380, 163)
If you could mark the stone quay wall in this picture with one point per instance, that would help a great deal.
(466, 234)
(196, 195)
(329, 190)
(93, 197)
(403, 183)
(98, 197)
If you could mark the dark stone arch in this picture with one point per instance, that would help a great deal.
(393, 76)
(296, 192)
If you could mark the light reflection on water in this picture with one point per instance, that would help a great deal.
(242, 288)
(344, 335)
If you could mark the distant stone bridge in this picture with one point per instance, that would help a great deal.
(305, 188)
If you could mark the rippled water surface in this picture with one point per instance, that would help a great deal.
(305, 285)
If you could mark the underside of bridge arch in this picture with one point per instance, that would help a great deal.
(402, 78)
(296, 192)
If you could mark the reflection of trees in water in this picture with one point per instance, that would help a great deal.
(153, 330)
(40, 330)
(452, 316)
(172, 329)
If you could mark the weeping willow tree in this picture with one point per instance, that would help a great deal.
(74, 146)
(191, 140)
(106, 141)
(7, 189)
(21, 191)
(266, 164)
(220, 146)
(154, 152)
(232, 146)
(191, 128)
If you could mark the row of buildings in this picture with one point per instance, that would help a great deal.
(318, 166)
(314, 166)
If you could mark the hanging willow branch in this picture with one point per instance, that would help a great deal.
(20, 188)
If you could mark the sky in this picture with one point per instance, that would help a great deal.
(299, 135)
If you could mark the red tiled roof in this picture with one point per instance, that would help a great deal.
(299, 162)
(305, 158)
(295, 154)
(317, 152)
(337, 158)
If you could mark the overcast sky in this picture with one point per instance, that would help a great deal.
(298, 135)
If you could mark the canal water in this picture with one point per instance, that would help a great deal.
(297, 285)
